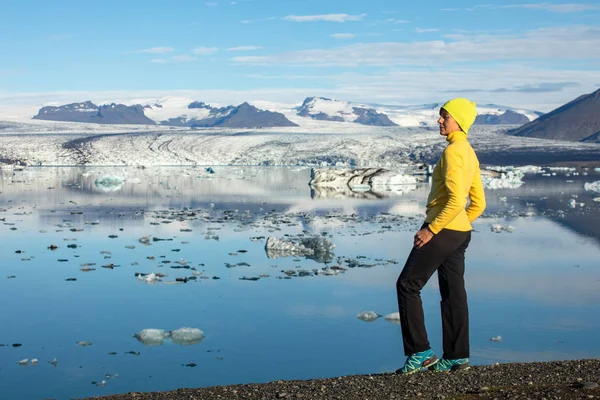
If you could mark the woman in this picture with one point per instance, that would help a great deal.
(440, 245)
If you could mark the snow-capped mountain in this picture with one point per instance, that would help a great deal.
(312, 113)
(323, 109)
(89, 112)
(171, 113)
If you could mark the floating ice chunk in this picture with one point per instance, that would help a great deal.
(151, 337)
(109, 183)
(596, 199)
(593, 187)
(151, 278)
(368, 316)
(497, 228)
(505, 180)
(530, 169)
(496, 338)
(572, 203)
(361, 179)
(187, 336)
(567, 169)
(276, 248)
(393, 316)
(23, 361)
(317, 248)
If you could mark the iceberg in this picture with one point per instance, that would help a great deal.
(593, 187)
(151, 337)
(316, 248)
(359, 178)
(368, 316)
(187, 336)
(109, 183)
(393, 316)
(504, 180)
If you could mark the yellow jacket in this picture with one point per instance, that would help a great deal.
(455, 177)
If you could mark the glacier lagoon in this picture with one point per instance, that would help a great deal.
(80, 245)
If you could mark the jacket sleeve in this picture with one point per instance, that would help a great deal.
(453, 177)
(477, 196)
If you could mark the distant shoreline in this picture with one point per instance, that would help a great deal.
(577, 379)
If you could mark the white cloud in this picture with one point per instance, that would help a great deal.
(155, 50)
(252, 21)
(426, 30)
(562, 8)
(391, 21)
(412, 85)
(212, 3)
(342, 35)
(558, 43)
(205, 51)
(158, 61)
(183, 58)
(556, 8)
(325, 17)
(244, 48)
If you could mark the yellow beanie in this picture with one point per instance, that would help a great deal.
(463, 111)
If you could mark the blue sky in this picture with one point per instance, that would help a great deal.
(538, 54)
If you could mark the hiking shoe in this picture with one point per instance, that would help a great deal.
(416, 362)
(445, 365)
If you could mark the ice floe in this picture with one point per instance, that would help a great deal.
(109, 183)
(395, 316)
(317, 248)
(151, 337)
(497, 228)
(187, 336)
(183, 336)
(359, 178)
(368, 316)
(593, 186)
(504, 180)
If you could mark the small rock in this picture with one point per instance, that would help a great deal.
(585, 385)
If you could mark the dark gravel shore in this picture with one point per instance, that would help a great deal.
(546, 380)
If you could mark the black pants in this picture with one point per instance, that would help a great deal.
(445, 252)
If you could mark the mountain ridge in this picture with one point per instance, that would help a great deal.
(577, 121)
(183, 112)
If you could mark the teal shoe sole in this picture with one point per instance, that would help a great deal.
(428, 364)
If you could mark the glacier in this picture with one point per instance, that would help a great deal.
(350, 145)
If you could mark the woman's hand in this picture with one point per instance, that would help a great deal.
(422, 237)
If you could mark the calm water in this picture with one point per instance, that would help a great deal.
(537, 287)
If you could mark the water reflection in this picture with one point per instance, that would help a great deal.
(260, 306)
